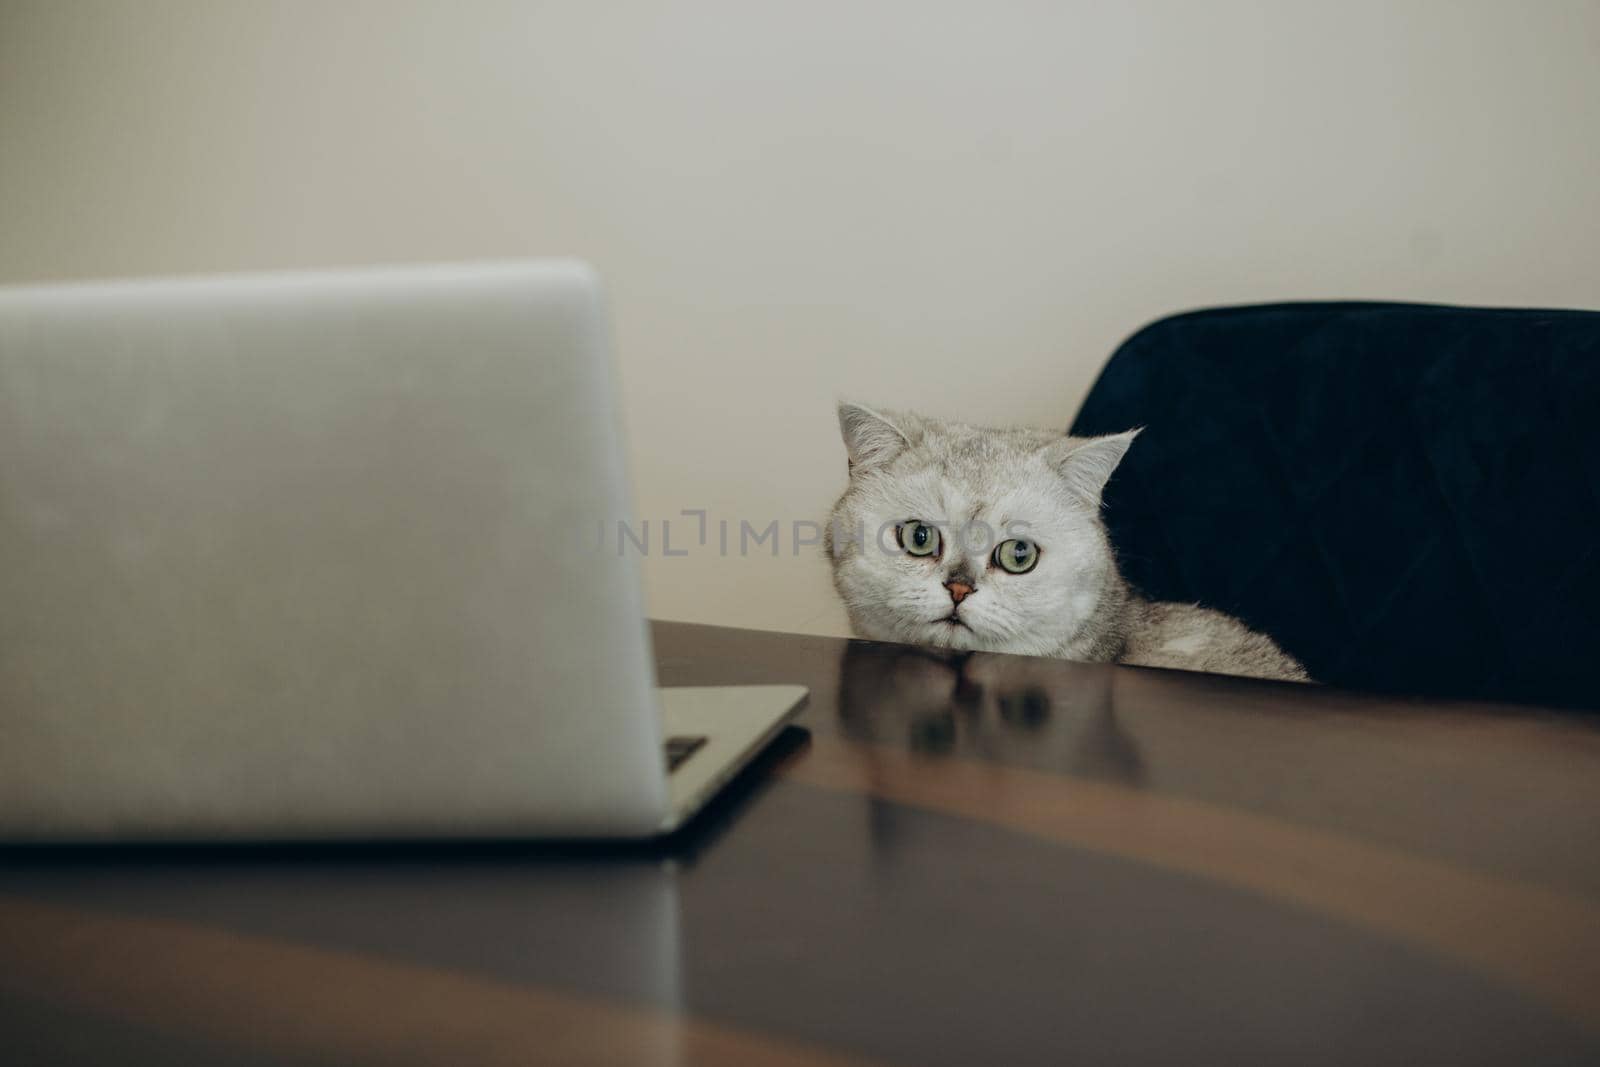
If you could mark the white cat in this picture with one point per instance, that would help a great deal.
(973, 538)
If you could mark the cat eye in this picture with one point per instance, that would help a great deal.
(918, 538)
(1016, 556)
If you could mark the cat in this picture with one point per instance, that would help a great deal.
(972, 538)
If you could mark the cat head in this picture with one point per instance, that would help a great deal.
(972, 538)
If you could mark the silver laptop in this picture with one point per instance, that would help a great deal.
(320, 556)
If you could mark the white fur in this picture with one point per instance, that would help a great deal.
(995, 484)
(1044, 486)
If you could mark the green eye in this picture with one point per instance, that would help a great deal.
(918, 538)
(1016, 556)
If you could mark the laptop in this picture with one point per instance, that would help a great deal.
(323, 556)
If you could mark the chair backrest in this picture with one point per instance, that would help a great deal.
(1407, 497)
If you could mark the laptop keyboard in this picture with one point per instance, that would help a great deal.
(681, 748)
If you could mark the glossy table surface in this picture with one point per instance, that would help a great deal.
(978, 860)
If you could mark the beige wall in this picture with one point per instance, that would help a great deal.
(961, 207)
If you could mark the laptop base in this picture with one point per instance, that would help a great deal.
(736, 721)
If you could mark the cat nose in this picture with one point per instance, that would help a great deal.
(958, 590)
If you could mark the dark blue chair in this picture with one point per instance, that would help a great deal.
(1407, 497)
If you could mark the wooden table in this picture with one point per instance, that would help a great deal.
(988, 860)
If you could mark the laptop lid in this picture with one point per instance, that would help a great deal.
(312, 555)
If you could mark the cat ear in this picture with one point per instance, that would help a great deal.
(869, 438)
(1087, 462)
